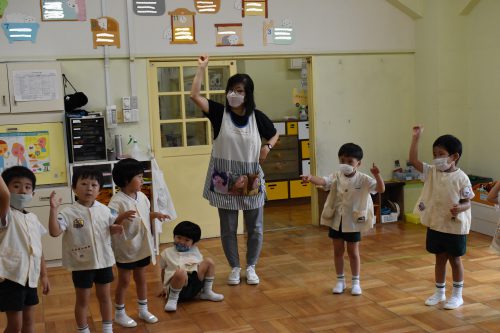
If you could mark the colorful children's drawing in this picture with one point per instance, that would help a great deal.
(229, 34)
(29, 149)
(149, 7)
(63, 10)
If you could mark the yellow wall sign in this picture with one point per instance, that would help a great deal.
(183, 27)
(105, 31)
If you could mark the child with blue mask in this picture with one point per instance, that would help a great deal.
(185, 274)
(444, 208)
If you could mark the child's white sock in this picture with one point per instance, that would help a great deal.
(208, 293)
(340, 286)
(83, 329)
(144, 314)
(439, 294)
(456, 296)
(356, 287)
(173, 297)
(107, 327)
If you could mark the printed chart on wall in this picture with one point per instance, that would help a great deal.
(29, 149)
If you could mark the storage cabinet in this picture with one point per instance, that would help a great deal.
(38, 78)
(288, 159)
(87, 139)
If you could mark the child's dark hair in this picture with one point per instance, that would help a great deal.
(19, 172)
(125, 170)
(86, 173)
(247, 82)
(351, 150)
(189, 230)
(449, 143)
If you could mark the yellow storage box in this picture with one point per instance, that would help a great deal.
(412, 218)
(277, 190)
(299, 190)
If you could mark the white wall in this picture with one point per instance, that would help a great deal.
(365, 99)
(320, 25)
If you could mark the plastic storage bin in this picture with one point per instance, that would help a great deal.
(412, 218)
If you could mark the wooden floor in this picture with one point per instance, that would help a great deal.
(297, 274)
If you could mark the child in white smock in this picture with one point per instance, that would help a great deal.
(21, 258)
(185, 274)
(87, 226)
(134, 249)
(444, 207)
(348, 210)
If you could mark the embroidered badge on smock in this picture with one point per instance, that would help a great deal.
(421, 206)
(78, 223)
(467, 192)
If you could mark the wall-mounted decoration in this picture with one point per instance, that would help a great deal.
(19, 27)
(206, 6)
(254, 8)
(3, 5)
(278, 35)
(29, 149)
(183, 27)
(105, 31)
(229, 34)
(63, 10)
(149, 7)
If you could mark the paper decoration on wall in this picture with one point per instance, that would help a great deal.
(254, 8)
(63, 10)
(19, 27)
(207, 7)
(183, 27)
(3, 5)
(29, 149)
(149, 7)
(105, 31)
(278, 35)
(229, 34)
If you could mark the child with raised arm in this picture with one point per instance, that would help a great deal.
(21, 258)
(87, 226)
(348, 210)
(444, 207)
(134, 250)
(185, 274)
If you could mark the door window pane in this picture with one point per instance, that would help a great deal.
(189, 73)
(192, 111)
(218, 77)
(196, 133)
(219, 98)
(170, 107)
(171, 135)
(168, 79)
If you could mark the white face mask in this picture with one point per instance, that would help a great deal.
(235, 100)
(346, 169)
(19, 201)
(441, 163)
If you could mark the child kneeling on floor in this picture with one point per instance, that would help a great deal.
(185, 274)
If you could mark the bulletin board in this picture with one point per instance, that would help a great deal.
(39, 147)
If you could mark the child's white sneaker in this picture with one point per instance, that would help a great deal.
(252, 277)
(211, 296)
(171, 305)
(356, 290)
(453, 303)
(124, 320)
(234, 276)
(339, 287)
(435, 299)
(148, 317)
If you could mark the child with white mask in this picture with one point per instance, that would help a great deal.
(444, 207)
(348, 210)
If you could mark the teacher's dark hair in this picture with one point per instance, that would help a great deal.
(247, 82)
